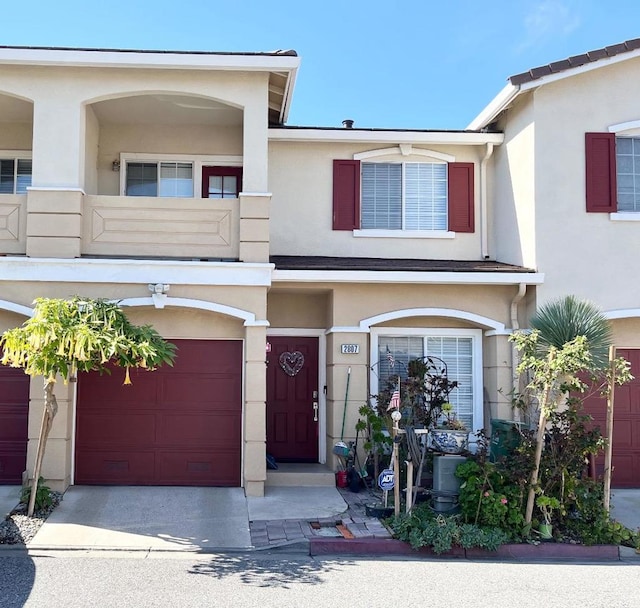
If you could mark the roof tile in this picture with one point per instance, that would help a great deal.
(575, 61)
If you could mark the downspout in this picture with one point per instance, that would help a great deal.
(484, 244)
(515, 326)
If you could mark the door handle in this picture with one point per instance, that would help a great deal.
(315, 411)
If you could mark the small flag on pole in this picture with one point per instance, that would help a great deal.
(390, 359)
(395, 399)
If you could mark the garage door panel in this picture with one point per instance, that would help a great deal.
(116, 428)
(176, 425)
(14, 412)
(116, 468)
(200, 468)
(13, 423)
(206, 392)
(109, 389)
(199, 430)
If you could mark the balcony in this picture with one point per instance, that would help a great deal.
(117, 226)
(13, 223)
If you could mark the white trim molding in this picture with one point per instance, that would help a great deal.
(450, 313)
(622, 313)
(625, 216)
(404, 234)
(90, 270)
(18, 308)
(392, 276)
(405, 150)
(630, 125)
(249, 318)
(461, 138)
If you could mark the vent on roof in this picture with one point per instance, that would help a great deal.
(347, 123)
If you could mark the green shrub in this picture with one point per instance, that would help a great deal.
(43, 495)
(489, 498)
(423, 528)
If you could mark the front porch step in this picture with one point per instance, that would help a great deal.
(298, 474)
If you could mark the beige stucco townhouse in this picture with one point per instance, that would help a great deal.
(567, 201)
(284, 262)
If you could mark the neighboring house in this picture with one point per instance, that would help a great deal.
(567, 200)
(281, 260)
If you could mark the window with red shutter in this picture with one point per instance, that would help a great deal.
(413, 197)
(600, 167)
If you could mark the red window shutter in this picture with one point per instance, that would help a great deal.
(461, 197)
(346, 194)
(600, 150)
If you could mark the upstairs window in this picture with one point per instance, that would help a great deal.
(628, 173)
(15, 175)
(163, 179)
(415, 197)
(404, 196)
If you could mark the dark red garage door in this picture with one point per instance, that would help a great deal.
(177, 425)
(14, 413)
(626, 426)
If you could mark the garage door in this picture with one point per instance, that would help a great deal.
(626, 426)
(177, 425)
(14, 412)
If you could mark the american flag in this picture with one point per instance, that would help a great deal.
(395, 399)
(390, 359)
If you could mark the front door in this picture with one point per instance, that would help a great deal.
(292, 399)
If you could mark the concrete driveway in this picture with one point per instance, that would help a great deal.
(160, 518)
(9, 498)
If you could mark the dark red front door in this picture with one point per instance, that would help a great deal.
(626, 426)
(292, 390)
(14, 413)
(177, 425)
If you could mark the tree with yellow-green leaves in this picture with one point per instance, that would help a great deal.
(67, 336)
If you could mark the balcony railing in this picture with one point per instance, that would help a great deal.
(13, 223)
(160, 227)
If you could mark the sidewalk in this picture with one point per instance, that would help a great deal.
(352, 524)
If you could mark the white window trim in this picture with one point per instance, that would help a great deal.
(404, 234)
(197, 161)
(476, 346)
(405, 150)
(16, 155)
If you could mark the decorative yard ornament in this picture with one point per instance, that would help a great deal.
(79, 334)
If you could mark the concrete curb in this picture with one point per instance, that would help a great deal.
(521, 552)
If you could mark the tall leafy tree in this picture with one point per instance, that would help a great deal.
(65, 336)
(569, 336)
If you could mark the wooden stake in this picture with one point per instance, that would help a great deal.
(608, 453)
(409, 494)
(396, 471)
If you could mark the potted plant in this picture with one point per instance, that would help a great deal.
(546, 504)
(450, 435)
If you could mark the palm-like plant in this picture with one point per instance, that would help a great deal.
(562, 321)
(570, 336)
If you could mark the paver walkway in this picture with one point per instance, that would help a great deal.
(356, 523)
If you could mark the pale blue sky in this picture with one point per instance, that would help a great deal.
(393, 64)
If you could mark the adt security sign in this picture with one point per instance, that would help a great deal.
(386, 480)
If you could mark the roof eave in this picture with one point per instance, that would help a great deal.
(384, 136)
(431, 278)
(495, 107)
(147, 59)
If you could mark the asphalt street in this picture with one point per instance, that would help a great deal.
(140, 580)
